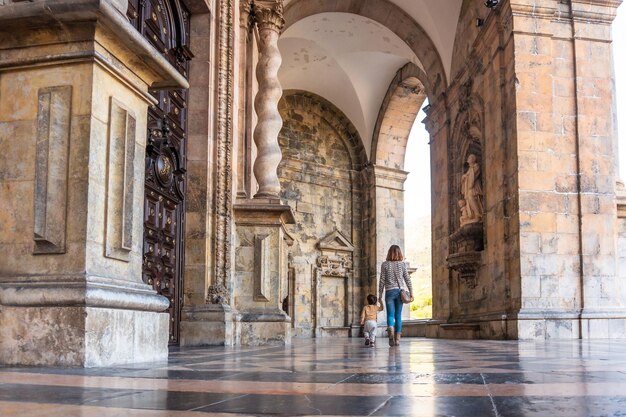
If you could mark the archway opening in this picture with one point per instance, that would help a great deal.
(417, 217)
(371, 71)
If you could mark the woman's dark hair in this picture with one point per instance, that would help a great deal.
(371, 299)
(395, 253)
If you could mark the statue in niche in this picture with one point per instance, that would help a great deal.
(465, 219)
(471, 205)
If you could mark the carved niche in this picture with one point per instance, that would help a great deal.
(333, 284)
(467, 198)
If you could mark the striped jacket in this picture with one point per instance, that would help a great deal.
(392, 273)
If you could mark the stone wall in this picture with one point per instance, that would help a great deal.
(546, 267)
(474, 123)
(71, 187)
(320, 180)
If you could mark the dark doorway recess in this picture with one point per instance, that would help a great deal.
(165, 24)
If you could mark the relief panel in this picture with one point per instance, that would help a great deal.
(52, 153)
(261, 267)
(120, 182)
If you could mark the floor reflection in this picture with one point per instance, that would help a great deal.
(423, 377)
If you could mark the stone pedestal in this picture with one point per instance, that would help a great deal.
(466, 245)
(74, 81)
(209, 324)
(260, 271)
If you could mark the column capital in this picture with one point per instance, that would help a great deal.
(245, 11)
(268, 14)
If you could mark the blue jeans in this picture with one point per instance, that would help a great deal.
(394, 309)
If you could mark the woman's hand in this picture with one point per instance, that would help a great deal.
(412, 299)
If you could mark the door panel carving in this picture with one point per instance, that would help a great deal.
(165, 24)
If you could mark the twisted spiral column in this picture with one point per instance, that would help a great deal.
(269, 19)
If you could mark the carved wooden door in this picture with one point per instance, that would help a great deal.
(165, 23)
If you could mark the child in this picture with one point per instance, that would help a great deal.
(368, 319)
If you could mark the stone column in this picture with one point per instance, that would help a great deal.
(389, 183)
(74, 96)
(269, 19)
(438, 126)
(243, 144)
(388, 193)
(566, 171)
(205, 319)
(604, 305)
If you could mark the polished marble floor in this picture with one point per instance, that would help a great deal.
(423, 377)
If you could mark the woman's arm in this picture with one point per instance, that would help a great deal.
(381, 281)
(407, 279)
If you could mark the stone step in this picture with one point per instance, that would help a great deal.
(460, 330)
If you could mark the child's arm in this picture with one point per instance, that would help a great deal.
(380, 306)
(363, 316)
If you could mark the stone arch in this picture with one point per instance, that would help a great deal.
(466, 33)
(395, 19)
(335, 118)
(402, 102)
(320, 175)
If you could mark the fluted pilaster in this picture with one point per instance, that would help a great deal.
(269, 19)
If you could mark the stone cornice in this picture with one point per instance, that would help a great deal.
(266, 212)
(79, 290)
(538, 9)
(269, 14)
(13, 17)
(591, 11)
(391, 178)
(595, 11)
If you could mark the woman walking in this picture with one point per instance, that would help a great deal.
(394, 278)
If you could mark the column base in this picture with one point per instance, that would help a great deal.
(262, 328)
(81, 336)
(603, 323)
(568, 324)
(207, 325)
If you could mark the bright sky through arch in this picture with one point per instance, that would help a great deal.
(417, 162)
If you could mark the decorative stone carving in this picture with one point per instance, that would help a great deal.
(333, 284)
(467, 242)
(268, 14)
(336, 258)
(218, 294)
(245, 14)
(269, 19)
(223, 183)
(471, 205)
(466, 245)
(335, 267)
(337, 242)
(465, 96)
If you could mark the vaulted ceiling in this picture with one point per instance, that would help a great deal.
(350, 59)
